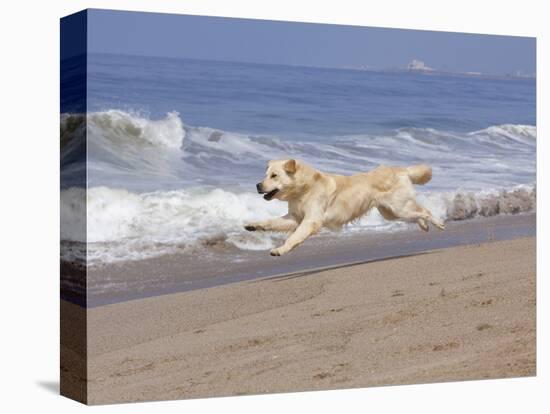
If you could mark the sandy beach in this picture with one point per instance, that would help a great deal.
(460, 313)
(221, 263)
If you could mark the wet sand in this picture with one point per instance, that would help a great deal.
(220, 263)
(459, 313)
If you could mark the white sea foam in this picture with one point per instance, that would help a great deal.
(122, 225)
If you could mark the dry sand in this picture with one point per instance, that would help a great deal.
(453, 314)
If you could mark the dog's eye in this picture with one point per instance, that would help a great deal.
(273, 175)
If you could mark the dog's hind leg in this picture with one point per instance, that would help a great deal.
(283, 224)
(388, 214)
(423, 216)
(437, 223)
(410, 210)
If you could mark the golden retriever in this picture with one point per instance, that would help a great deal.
(316, 199)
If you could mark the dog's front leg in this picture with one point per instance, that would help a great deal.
(283, 224)
(304, 230)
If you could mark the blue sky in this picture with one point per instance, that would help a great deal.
(261, 41)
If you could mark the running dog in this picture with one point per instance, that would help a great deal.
(317, 199)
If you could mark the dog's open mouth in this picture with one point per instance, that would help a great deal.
(271, 194)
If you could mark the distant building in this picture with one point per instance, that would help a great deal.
(418, 65)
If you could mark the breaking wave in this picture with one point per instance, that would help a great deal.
(133, 151)
(123, 225)
(158, 186)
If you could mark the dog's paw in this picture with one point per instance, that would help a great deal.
(279, 251)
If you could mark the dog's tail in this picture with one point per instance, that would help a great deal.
(419, 174)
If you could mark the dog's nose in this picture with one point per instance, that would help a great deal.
(259, 187)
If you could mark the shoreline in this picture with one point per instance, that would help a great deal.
(459, 313)
(133, 280)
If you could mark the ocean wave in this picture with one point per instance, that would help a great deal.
(123, 225)
(523, 134)
(157, 186)
(120, 146)
(124, 129)
(138, 152)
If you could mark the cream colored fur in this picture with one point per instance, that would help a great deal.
(316, 199)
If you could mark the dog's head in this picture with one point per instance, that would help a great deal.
(281, 180)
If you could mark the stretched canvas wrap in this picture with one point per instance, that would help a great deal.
(259, 207)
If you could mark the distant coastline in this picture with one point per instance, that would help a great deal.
(518, 74)
(418, 66)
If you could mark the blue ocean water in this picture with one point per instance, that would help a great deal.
(305, 102)
(175, 146)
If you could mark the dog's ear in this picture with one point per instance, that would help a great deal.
(290, 166)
